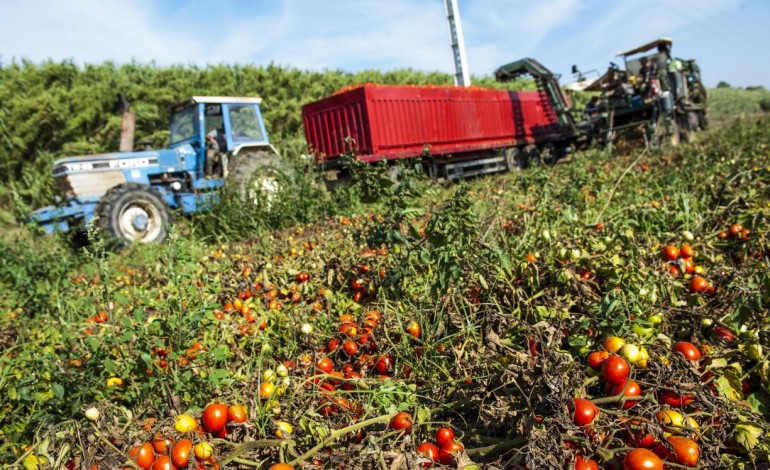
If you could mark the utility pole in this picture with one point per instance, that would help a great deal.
(462, 77)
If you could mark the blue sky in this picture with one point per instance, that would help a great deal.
(728, 37)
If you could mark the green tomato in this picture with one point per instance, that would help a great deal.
(640, 330)
(655, 319)
(754, 351)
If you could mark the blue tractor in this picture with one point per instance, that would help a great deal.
(213, 141)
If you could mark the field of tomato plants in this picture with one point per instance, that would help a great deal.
(609, 312)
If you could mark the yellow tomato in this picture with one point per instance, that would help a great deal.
(203, 450)
(671, 418)
(283, 430)
(114, 382)
(185, 423)
(266, 389)
(630, 352)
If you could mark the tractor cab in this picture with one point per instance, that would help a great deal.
(217, 127)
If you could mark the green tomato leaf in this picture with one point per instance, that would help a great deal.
(747, 434)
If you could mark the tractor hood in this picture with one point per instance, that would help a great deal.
(93, 175)
(123, 160)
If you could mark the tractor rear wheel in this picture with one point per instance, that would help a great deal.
(133, 212)
(256, 174)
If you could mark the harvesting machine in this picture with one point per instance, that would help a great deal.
(670, 105)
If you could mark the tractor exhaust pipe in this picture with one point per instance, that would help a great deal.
(127, 128)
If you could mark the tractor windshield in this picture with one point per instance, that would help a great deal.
(245, 123)
(184, 125)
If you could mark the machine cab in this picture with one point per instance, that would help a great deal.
(230, 123)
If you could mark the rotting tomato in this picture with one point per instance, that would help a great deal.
(401, 420)
(585, 412)
(215, 417)
(429, 451)
(642, 459)
(444, 435)
(615, 370)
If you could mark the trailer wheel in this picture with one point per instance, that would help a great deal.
(514, 159)
(133, 212)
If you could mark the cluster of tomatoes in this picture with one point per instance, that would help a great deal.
(735, 232)
(680, 431)
(192, 448)
(349, 356)
(678, 260)
(443, 451)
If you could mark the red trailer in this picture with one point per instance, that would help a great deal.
(468, 131)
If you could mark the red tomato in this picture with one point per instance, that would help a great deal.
(724, 335)
(444, 435)
(587, 464)
(281, 466)
(237, 414)
(181, 451)
(144, 455)
(350, 347)
(642, 459)
(401, 420)
(596, 359)
(615, 370)
(585, 412)
(686, 251)
(671, 398)
(637, 435)
(670, 252)
(384, 364)
(325, 365)
(688, 350)
(161, 444)
(698, 284)
(215, 417)
(686, 451)
(428, 451)
(632, 390)
(447, 452)
(163, 463)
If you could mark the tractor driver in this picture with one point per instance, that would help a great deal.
(217, 145)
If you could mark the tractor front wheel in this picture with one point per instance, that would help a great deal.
(133, 212)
